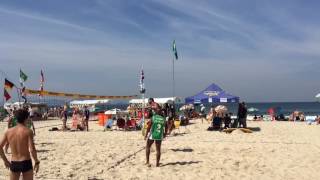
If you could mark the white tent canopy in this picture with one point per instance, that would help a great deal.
(318, 96)
(89, 102)
(157, 100)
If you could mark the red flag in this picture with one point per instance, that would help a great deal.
(6, 95)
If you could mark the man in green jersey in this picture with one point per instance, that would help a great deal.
(156, 131)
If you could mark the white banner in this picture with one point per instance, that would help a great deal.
(224, 100)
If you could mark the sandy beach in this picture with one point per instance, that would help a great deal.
(275, 150)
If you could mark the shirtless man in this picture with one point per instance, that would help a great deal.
(20, 139)
(156, 131)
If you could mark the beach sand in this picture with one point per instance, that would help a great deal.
(275, 150)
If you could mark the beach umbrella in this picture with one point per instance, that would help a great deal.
(318, 97)
(252, 109)
(221, 109)
(113, 111)
(186, 107)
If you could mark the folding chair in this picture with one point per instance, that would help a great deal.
(177, 124)
(132, 124)
(121, 124)
(108, 125)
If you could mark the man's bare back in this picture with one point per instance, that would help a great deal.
(20, 139)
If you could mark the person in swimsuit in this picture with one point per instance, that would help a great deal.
(86, 117)
(22, 145)
(156, 131)
(64, 116)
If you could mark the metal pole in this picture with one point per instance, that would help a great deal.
(173, 89)
(18, 95)
(143, 107)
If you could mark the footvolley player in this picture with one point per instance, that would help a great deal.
(155, 133)
(22, 145)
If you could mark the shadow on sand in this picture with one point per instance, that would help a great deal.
(42, 151)
(45, 143)
(255, 129)
(182, 150)
(181, 163)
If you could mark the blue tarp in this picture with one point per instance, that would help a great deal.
(213, 94)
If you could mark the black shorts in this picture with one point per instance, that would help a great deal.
(21, 166)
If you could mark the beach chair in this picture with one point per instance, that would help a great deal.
(108, 125)
(140, 124)
(121, 123)
(132, 124)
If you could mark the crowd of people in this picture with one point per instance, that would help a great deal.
(220, 119)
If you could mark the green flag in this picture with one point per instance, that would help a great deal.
(174, 49)
(23, 76)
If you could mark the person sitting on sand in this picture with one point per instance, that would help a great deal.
(156, 131)
(22, 145)
(217, 122)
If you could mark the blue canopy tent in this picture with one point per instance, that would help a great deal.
(213, 94)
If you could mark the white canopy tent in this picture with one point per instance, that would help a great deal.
(318, 97)
(157, 100)
(81, 103)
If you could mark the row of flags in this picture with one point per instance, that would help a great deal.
(8, 85)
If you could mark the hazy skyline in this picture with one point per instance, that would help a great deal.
(257, 50)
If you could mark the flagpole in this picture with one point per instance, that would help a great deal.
(173, 88)
(18, 95)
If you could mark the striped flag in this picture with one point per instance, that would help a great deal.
(174, 49)
(8, 85)
(142, 89)
(41, 83)
(6, 94)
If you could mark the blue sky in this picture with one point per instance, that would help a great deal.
(264, 50)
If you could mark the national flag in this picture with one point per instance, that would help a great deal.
(6, 95)
(7, 84)
(23, 77)
(174, 49)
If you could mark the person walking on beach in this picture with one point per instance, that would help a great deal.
(64, 118)
(202, 112)
(22, 145)
(156, 131)
(242, 115)
(30, 120)
(86, 117)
